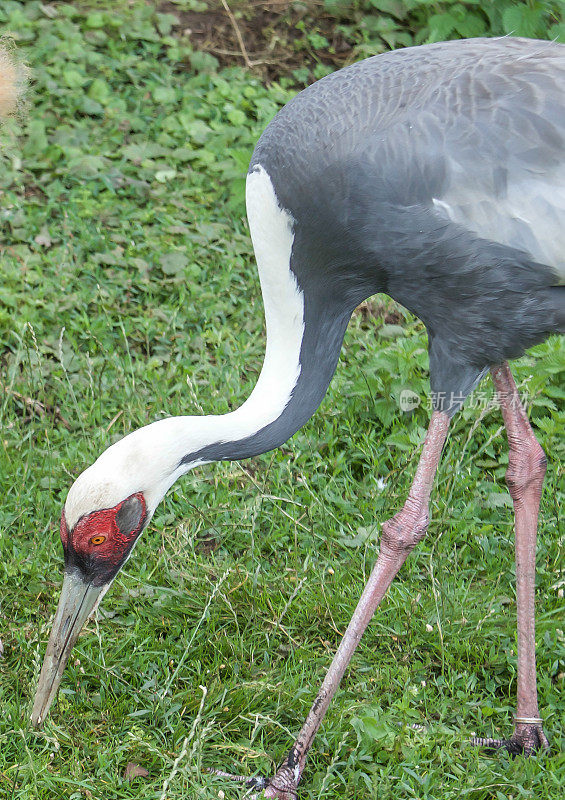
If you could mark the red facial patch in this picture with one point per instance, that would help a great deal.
(100, 541)
(64, 531)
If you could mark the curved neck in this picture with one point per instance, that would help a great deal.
(306, 319)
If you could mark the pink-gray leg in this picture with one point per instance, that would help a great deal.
(399, 536)
(525, 474)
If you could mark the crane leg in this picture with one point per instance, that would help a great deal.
(525, 474)
(399, 536)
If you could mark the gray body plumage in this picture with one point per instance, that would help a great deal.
(435, 174)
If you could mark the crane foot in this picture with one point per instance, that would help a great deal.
(281, 787)
(527, 740)
(255, 782)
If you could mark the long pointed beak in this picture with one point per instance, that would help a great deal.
(78, 599)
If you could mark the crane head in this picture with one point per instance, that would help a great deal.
(96, 545)
(106, 510)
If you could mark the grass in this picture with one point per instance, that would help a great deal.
(128, 292)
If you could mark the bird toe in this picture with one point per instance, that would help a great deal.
(527, 740)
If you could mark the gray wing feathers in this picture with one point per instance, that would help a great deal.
(475, 129)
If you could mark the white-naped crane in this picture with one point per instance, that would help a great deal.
(435, 174)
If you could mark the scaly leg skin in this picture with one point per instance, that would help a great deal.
(399, 536)
(525, 474)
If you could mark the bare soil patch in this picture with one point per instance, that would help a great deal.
(273, 35)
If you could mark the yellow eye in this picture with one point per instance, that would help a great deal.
(98, 539)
